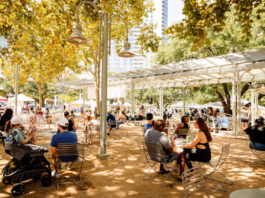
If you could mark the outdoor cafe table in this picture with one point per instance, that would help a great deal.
(248, 193)
(179, 142)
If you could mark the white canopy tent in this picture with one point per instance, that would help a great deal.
(21, 98)
(21, 101)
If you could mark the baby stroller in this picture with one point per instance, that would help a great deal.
(28, 163)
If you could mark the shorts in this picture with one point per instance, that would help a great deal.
(244, 120)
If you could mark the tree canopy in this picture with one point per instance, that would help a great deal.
(37, 32)
(203, 16)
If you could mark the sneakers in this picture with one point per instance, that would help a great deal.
(55, 174)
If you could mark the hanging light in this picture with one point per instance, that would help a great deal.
(125, 52)
(31, 79)
(77, 36)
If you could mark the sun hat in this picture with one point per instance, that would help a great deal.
(16, 120)
(63, 122)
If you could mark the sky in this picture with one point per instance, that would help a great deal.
(175, 11)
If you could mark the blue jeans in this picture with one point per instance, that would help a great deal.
(257, 146)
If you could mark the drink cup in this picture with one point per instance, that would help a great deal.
(188, 138)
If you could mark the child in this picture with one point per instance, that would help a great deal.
(32, 128)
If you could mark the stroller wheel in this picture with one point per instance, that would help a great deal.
(5, 181)
(46, 180)
(18, 189)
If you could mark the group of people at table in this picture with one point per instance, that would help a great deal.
(156, 132)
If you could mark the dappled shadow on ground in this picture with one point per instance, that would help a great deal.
(123, 173)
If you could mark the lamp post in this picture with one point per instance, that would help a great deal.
(16, 89)
(78, 38)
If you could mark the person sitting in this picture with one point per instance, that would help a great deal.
(111, 121)
(183, 125)
(32, 129)
(71, 126)
(122, 119)
(157, 136)
(5, 120)
(64, 136)
(17, 132)
(201, 142)
(148, 122)
(257, 135)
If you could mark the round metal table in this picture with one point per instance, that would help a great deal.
(248, 193)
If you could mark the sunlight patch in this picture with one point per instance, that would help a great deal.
(130, 181)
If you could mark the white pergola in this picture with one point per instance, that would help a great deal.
(247, 66)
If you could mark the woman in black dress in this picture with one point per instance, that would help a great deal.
(201, 143)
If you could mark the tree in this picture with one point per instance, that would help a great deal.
(205, 15)
(171, 95)
(36, 35)
(32, 90)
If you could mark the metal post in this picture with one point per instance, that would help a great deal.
(256, 96)
(84, 97)
(161, 101)
(234, 103)
(184, 99)
(238, 85)
(252, 106)
(132, 99)
(16, 89)
(103, 127)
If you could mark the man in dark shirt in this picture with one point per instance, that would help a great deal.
(111, 121)
(71, 126)
(257, 134)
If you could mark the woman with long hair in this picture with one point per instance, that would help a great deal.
(183, 125)
(5, 120)
(201, 143)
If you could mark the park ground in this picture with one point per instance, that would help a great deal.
(123, 173)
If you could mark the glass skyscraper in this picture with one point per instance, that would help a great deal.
(159, 17)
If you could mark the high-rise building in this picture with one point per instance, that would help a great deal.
(3, 42)
(159, 17)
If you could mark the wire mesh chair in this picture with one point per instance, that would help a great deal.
(193, 180)
(216, 165)
(155, 156)
(71, 150)
(258, 153)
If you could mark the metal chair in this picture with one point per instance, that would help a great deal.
(155, 156)
(259, 154)
(193, 180)
(216, 165)
(70, 150)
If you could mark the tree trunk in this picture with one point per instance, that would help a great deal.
(40, 95)
(225, 105)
